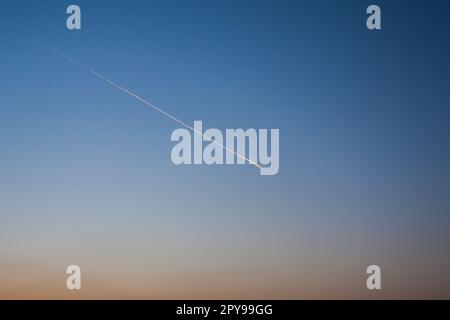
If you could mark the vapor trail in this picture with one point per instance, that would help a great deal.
(151, 105)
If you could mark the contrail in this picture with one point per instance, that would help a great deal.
(151, 105)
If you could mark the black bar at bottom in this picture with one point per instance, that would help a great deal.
(227, 309)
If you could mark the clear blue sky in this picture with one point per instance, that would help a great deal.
(86, 176)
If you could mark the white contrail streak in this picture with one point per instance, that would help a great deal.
(151, 105)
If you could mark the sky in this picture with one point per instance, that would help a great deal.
(86, 176)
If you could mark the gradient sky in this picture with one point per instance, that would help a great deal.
(86, 176)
